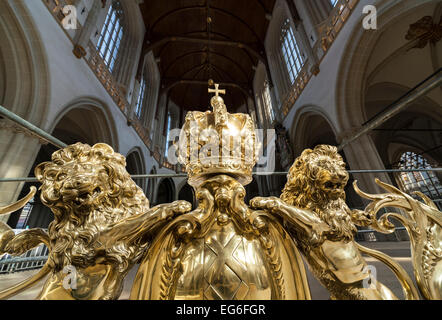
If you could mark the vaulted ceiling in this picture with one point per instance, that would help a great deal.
(197, 40)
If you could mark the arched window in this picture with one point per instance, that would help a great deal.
(423, 181)
(293, 58)
(111, 34)
(141, 98)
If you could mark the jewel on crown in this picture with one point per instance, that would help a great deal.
(218, 143)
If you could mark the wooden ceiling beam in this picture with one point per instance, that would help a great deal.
(175, 82)
(235, 44)
(199, 52)
(214, 33)
(204, 7)
(261, 4)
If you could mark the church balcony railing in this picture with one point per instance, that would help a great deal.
(425, 180)
(329, 31)
(297, 88)
(37, 257)
(333, 25)
(99, 67)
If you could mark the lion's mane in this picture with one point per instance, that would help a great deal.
(87, 189)
(316, 182)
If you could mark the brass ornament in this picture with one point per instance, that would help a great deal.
(218, 143)
(423, 222)
(95, 203)
(314, 211)
(224, 249)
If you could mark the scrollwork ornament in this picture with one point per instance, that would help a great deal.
(423, 222)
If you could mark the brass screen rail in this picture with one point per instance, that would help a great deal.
(282, 173)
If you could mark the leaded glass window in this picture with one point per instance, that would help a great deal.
(111, 35)
(424, 181)
(293, 58)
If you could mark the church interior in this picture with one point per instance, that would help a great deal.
(361, 75)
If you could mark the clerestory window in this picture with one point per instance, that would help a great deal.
(293, 58)
(111, 35)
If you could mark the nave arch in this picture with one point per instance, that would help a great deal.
(374, 70)
(187, 193)
(367, 61)
(311, 127)
(165, 191)
(135, 165)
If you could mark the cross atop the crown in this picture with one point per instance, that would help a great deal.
(217, 91)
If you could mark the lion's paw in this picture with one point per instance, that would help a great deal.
(181, 207)
(175, 208)
(270, 203)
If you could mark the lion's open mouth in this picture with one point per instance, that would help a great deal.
(86, 197)
(334, 185)
(81, 199)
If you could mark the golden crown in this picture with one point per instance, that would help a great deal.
(218, 143)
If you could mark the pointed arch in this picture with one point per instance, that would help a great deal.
(352, 79)
(311, 126)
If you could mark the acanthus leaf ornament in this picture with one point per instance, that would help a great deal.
(423, 222)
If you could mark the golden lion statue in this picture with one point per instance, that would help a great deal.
(101, 224)
(313, 207)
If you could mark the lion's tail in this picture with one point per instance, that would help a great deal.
(20, 287)
(19, 204)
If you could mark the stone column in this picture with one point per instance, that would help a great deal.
(322, 9)
(313, 13)
(152, 109)
(309, 18)
(362, 154)
(159, 118)
(127, 63)
(311, 56)
(82, 37)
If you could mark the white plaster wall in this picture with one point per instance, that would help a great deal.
(321, 90)
(71, 79)
(407, 69)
